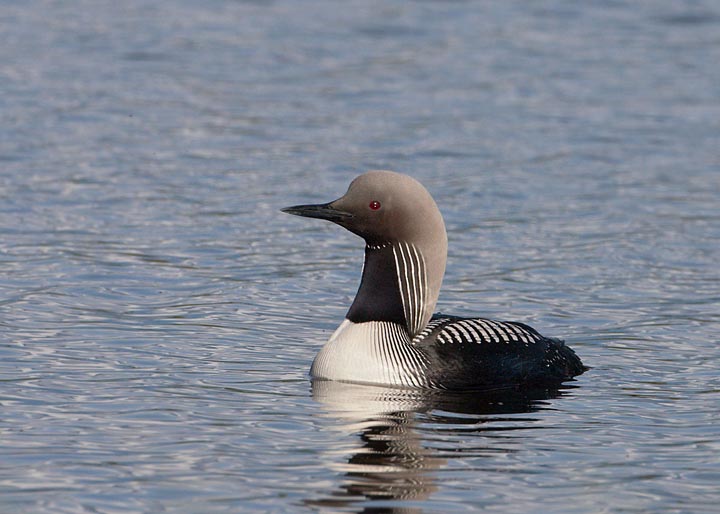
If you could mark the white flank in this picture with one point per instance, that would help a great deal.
(375, 352)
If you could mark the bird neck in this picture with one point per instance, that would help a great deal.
(378, 297)
(397, 285)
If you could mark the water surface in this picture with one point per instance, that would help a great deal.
(159, 314)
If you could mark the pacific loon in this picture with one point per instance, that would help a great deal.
(389, 335)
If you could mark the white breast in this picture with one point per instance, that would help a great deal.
(375, 352)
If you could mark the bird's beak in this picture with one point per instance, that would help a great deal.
(323, 211)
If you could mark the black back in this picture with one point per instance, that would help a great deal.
(477, 353)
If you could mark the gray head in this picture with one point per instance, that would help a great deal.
(395, 212)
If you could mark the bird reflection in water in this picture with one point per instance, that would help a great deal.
(408, 434)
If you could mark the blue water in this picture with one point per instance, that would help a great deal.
(158, 314)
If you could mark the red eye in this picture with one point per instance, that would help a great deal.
(374, 205)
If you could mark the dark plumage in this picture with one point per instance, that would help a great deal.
(482, 353)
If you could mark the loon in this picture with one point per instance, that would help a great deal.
(390, 335)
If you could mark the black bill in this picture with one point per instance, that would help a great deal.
(323, 211)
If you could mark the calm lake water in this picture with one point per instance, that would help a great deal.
(159, 314)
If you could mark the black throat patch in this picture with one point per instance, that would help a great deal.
(378, 298)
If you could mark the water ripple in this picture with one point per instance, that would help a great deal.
(159, 313)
